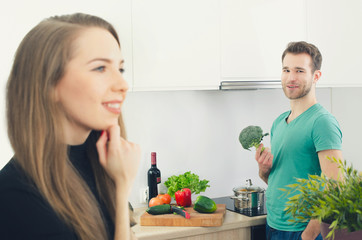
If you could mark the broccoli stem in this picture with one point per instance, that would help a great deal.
(257, 146)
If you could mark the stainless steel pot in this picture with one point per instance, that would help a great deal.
(248, 197)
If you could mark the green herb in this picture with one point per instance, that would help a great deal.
(186, 180)
(338, 203)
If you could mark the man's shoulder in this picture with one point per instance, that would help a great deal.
(318, 110)
(322, 116)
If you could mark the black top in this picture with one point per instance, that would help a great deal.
(24, 213)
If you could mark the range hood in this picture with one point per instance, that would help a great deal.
(249, 85)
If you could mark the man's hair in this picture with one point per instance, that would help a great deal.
(308, 48)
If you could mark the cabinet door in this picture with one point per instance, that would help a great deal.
(254, 33)
(337, 31)
(175, 44)
(121, 20)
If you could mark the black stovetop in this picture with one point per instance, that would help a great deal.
(230, 206)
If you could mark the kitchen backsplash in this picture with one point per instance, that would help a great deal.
(198, 131)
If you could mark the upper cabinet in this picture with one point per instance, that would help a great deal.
(337, 32)
(122, 21)
(198, 44)
(175, 44)
(255, 33)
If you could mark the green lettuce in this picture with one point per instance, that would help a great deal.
(186, 180)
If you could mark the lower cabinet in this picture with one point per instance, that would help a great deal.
(232, 234)
(248, 233)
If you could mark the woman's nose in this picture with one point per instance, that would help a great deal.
(120, 84)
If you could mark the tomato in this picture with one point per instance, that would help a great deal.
(155, 201)
(166, 199)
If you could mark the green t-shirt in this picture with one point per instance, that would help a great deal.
(295, 149)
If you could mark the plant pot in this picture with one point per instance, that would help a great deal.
(340, 234)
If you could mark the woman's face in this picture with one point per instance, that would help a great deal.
(93, 89)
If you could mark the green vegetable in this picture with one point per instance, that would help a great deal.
(186, 180)
(252, 136)
(204, 204)
(159, 209)
(167, 208)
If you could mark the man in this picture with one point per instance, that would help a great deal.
(301, 141)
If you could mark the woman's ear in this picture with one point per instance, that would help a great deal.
(316, 76)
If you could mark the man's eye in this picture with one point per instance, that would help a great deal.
(100, 69)
(285, 70)
(121, 70)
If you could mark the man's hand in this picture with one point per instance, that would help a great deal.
(265, 162)
(312, 230)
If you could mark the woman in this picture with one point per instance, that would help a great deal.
(72, 170)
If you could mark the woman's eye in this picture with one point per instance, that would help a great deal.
(121, 70)
(100, 69)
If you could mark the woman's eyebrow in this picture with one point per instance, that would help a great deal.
(104, 60)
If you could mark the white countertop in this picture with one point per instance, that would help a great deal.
(232, 220)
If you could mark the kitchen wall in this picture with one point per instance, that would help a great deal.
(198, 131)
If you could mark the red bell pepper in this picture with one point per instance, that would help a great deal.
(183, 197)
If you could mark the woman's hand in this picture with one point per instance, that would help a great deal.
(265, 162)
(118, 157)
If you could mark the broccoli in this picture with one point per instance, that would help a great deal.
(252, 136)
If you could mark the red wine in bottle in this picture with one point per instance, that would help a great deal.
(154, 177)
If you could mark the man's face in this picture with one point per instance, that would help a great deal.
(297, 76)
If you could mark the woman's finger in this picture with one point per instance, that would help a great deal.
(102, 148)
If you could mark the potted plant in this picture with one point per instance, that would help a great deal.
(336, 204)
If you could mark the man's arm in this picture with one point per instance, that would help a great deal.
(330, 169)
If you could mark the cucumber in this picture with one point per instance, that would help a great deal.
(159, 209)
(204, 204)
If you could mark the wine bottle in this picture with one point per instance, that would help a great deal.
(154, 177)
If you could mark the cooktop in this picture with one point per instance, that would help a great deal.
(230, 206)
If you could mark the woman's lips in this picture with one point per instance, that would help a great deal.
(114, 107)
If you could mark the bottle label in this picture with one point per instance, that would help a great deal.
(159, 180)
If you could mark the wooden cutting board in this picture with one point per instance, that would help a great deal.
(196, 219)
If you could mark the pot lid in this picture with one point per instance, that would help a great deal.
(248, 187)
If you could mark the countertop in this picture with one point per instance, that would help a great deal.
(232, 221)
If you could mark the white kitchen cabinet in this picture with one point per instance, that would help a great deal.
(336, 28)
(122, 22)
(255, 33)
(175, 44)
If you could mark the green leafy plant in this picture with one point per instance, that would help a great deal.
(338, 203)
(186, 180)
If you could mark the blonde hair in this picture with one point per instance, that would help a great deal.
(35, 131)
